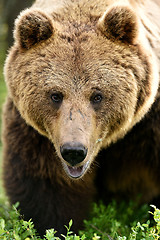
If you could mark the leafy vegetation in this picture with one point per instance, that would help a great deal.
(107, 223)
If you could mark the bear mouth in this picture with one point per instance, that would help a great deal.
(76, 172)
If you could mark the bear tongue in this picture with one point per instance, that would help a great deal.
(75, 172)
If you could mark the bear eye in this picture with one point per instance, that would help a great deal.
(96, 98)
(57, 97)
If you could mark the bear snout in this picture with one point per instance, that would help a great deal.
(73, 153)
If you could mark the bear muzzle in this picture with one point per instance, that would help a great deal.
(74, 154)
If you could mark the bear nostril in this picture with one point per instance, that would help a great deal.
(73, 154)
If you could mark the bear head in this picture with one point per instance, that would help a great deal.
(82, 84)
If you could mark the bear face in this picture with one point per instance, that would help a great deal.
(82, 86)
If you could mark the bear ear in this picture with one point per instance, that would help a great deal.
(32, 27)
(119, 23)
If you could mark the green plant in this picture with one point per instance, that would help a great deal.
(14, 227)
(145, 231)
(114, 222)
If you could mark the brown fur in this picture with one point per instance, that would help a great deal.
(82, 73)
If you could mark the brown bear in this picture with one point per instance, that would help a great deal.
(82, 117)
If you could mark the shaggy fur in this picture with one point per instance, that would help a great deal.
(82, 74)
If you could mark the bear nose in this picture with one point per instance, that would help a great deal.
(73, 153)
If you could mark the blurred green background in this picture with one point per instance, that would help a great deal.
(9, 9)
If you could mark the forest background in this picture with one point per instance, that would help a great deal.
(9, 10)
